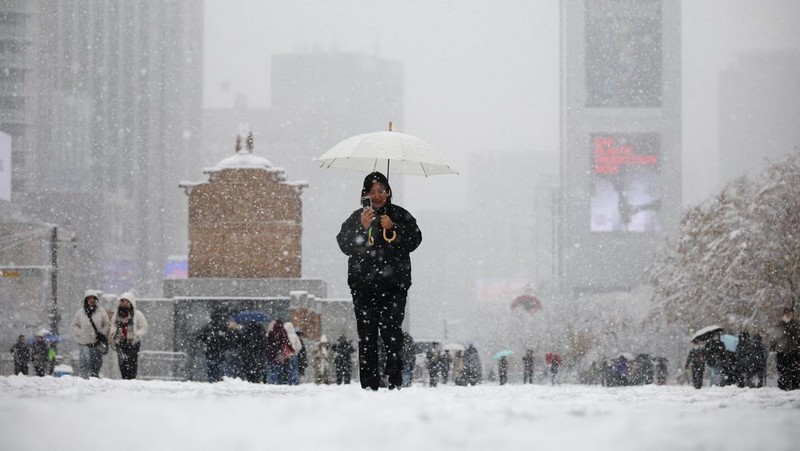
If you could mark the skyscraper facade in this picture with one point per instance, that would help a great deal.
(117, 90)
(621, 139)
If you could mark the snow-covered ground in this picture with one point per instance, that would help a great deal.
(72, 414)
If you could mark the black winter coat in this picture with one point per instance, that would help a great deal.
(384, 265)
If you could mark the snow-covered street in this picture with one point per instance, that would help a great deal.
(71, 414)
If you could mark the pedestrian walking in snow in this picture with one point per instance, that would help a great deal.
(696, 363)
(378, 240)
(21, 354)
(39, 353)
(787, 351)
(527, 367)
(88, 324)
(343, 360)
(128, 326)
(322, 362)
(218, 339)
(502, 370)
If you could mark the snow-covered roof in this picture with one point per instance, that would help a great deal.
(241, 160)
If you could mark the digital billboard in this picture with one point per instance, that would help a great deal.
(623, 53)
(626, 182)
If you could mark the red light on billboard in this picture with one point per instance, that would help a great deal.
(608, 156)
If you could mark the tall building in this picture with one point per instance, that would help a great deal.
(15, 45)
(621, 139)
(759, 109)
(115, 118)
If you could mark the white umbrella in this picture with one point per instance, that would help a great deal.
(453, 347)
(384, 152)
(706, 332)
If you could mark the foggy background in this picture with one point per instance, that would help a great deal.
(481, 83)
(482, 76)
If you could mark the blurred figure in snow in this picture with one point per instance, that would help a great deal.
(128, 326)
(343, 360)
(89, 322)
(22, 356)
(322, 361)
(696, 362)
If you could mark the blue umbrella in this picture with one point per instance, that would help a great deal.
(49, 337)
(730, 342)
(503, 353)
(250, 316)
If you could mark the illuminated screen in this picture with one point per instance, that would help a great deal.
(626, 185)
(623, 53)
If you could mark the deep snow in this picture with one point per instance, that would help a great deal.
(72, 414)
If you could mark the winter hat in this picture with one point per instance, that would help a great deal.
(90, 293)
(129, 296)
(380, 178)
(323, 339)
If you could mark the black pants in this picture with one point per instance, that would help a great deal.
(128, 356)
(380, 314)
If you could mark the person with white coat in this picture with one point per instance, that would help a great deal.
(87, 324)
(128, 326)
(297, 345)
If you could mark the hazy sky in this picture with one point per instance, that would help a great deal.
(481, 76)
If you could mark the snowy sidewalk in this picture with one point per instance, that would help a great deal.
(55, 413)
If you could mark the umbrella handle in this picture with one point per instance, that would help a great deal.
(389, 240)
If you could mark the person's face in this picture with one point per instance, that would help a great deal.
(378, 195)
(125, 303)
(91, 301)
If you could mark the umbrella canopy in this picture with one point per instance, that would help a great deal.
(706, 333)
(250, 316)
(386, 151)
(453, 347)
(731, 342)
(527, 302)
(49, 337)
(503, 353)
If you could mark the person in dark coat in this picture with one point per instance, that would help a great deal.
(760, 360)
(218, 339)
(22, 356)
(253, 352)
(39, 351)
(716, 359)
(661, 370)
(445, 362)
(527, 367)
(343, 360)
(378, 241)
(502, 370)
(787, 351)
(473, 371)
(432, 364)
(696, 361)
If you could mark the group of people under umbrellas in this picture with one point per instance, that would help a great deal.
(742, 360)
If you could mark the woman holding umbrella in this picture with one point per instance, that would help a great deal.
(378, 239)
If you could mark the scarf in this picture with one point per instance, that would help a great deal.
(123, 322)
